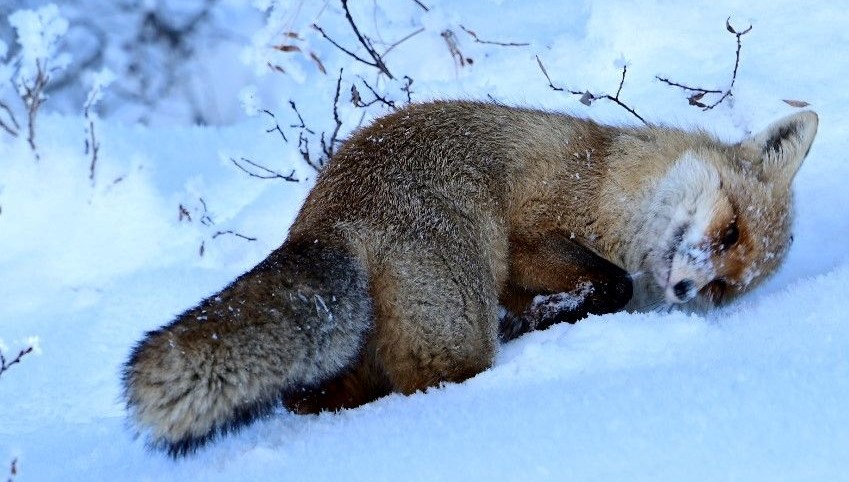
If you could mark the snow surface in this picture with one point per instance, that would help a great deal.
(756, 391)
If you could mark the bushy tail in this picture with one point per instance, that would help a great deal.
(296, 319)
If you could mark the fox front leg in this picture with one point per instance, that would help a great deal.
(553, 280)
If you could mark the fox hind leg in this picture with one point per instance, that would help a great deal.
(435, 317)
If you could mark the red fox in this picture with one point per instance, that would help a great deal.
(430, 221)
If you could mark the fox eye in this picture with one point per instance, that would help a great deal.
(729, 237)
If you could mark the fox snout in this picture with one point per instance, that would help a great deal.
(684, 290)
(691, 270)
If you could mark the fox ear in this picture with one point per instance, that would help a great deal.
(783, 146)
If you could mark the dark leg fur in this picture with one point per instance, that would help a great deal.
(555, 280)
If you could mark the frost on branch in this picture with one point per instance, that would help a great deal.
(39, 33)
(99, 82)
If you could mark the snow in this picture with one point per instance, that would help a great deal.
(754, 391)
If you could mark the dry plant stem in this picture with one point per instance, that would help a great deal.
(230, 231)
(205, 218)
(489, 42)
(587, 98)
(451, 41)
(403, 39)
(267, 173)
(302, 124)
(12, 129)
(32, 96)
(685, 87)
(328, 144)
(95, 148)
(5, 365)
(358, 101)
(406, 88)
(376, 59)
(92, 147)
(183, 213)
(698, 92)
(424, 7)
(330, 147)
(276, 125)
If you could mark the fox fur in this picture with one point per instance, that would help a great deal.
(431, 220)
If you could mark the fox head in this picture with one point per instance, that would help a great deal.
(721, 214)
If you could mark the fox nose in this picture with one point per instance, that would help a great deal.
(684, 290)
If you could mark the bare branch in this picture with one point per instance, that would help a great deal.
(587, 98)
(184, 213)
(367, 44)
(13, 469)
(406, 88)
(304, 149)
(12, 129)
(357, 99)
(301, 119)
(330, 147)
(5, 365)
(234, 233)
(666, 81)
(327, 142)
(343, 49)
(424, 7)
(377, 60)
(550, 83)
(453, 47)
(489, 42)
(268, 173)
(403, 39)
(205, 218)
(33, 97)
(698, 93)
(276, 126)
(92, 146)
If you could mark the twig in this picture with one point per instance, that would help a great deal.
(587, 98)
(12, 131)
(95, 148)
(357, 99)
(304, 149)
(276, 126)
(327, 142)
(451, 41)
(330, 147)
(301, 119)
(685, 87)
(269, 174)
(424, 7)
(91, 144)
(205, 218)
(406, 88)
(698, 92)
(33, 97)
(13, 469)
(234, 233)
(403, 39)
(489, 42)
(377, 60)
(5, 365)
(183, 213)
